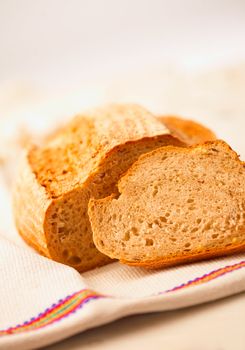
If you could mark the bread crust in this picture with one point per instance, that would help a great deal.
(188, 131)
(105, 129)
(170, 261)
(30, 202)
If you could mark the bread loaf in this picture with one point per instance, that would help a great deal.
(82, 161)
(174, 205)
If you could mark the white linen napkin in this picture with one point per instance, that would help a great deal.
(43, 302)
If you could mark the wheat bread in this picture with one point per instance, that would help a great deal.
(85, 159)
(174, 205)
(188, 131)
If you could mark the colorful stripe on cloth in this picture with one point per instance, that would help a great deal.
(69, 305)
(56, 312)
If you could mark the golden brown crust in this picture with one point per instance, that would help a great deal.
(30, 203)
(88, 140)
(32, 242)
(173, 261)
(187, 131)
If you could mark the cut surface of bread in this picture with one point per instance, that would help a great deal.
(174, 205)
(82, 161)
(188, 131)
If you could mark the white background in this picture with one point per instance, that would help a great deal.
(66, 42)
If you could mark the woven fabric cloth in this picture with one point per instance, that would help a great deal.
(43, 301)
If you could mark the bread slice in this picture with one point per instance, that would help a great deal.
(174, 205)
(188, 131)
(85, 159)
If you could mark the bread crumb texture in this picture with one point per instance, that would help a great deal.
(174, 205)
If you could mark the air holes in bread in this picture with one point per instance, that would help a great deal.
(127, 236)
(163, 219)
(149, 242)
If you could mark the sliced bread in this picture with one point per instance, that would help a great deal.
(174, 205)
(186, 130)
(85, 159)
